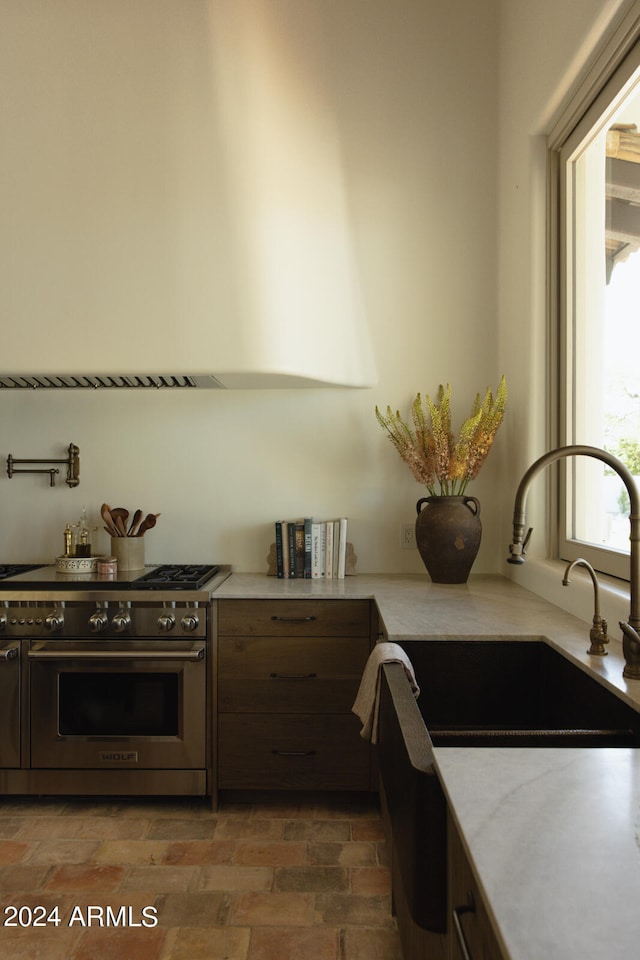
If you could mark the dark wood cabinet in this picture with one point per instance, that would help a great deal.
(471, 934)
(288, 673)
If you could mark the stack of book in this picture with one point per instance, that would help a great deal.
(309, 549)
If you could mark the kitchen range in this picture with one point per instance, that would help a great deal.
(106, 681)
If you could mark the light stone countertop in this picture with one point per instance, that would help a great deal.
(553, 835)
(553, 838)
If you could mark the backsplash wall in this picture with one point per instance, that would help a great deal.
(219, 467)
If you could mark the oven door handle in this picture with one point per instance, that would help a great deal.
(195, 653)
(10, 653)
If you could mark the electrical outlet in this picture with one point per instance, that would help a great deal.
(408, 535)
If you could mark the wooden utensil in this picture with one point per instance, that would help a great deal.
(119, 515)
(147, 524)
(110, 527)
(137, 517)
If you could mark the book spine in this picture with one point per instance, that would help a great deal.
(299, 539)
(317, 553)
(291, 530)
(336, 547)
(279, 558)
(307, 547)
(342, 548)
(328, 557)
(285, 549)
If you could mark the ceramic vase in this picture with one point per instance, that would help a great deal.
(448, 534)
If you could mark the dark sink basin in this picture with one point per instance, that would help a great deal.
(515, 693)
(480, 693)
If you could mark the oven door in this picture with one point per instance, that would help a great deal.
(10, 705)
(109, 705)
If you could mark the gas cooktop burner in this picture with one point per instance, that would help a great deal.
(176, 577)
(13, 569)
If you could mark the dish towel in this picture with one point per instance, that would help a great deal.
(367, 702)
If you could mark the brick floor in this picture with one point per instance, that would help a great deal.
(171, 880)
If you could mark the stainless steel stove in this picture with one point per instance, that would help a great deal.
(106, 684)
(167, 576)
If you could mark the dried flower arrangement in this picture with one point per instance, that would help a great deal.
(443, 462)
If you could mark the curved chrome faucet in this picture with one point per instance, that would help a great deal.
(630, 630)
(598, 633)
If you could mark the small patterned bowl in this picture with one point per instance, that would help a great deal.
(76, 564)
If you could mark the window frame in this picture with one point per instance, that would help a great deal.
(595, 99)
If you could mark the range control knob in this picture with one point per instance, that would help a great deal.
(121, 622)
(189, 622)
(98, 621)
(54, 622)
(166, 623)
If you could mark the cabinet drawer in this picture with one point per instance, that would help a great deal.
(294, 618)
(305, 752)
(286, 696)
(289, 674)
(261, 658)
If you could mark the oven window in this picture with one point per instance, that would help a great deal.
(118, 704)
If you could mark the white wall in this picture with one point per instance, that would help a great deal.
(545, 48)
(441, 114)
(414, 89)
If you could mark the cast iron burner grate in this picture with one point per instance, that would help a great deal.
(13, 569)
(176, 577)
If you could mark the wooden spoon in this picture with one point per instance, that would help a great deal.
(110, 527)
(119, 515)
(147, 524)
(137, 517)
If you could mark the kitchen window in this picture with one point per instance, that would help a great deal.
(596, 273)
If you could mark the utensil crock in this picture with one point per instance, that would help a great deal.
(129, 552)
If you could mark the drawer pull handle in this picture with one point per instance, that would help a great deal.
(457, 926)
(294, 753)
(293, 619)
(293, 676)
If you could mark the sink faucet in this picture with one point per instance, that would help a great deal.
(598, 633)
(630, 629)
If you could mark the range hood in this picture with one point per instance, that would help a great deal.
(176, 207)
(107, 382)
(203, 381)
